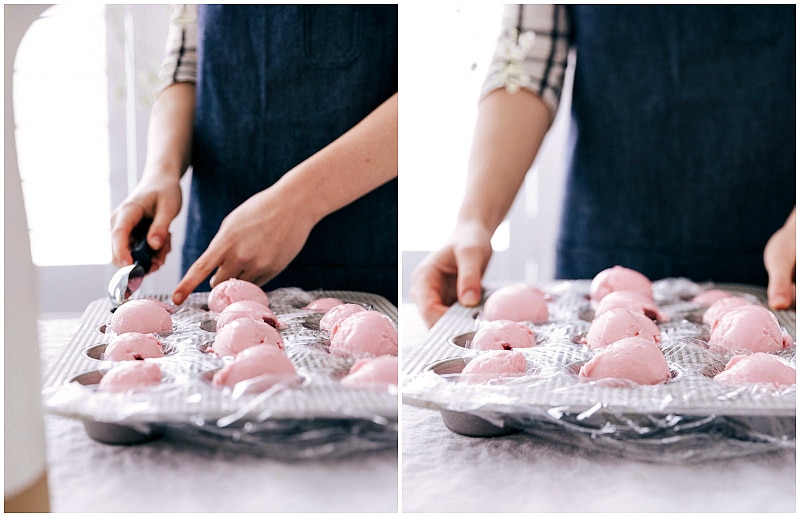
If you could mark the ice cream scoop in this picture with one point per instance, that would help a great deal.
(248, 309)
(721, 306)
(365, 332)
(494, 364)
(519, 302)
(143, 315)
(128, 278)
(632, 300)
(616, 324)
(749, 327)
(758, 368)
(337, 313)
(373, 371)
(503, 335)
(268, 364)
(235, 290)
(133, 346)
(632, 359)
(243, 333)
(323, 304)
(709, 296)
(130, 375)
(619, 278)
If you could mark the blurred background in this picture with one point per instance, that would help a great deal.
(83, 82)
(441, 73)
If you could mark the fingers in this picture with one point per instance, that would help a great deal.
(197, 272)
(780, 257)
(471, 262)
(781, 287)
(123, 220)
(427, 293)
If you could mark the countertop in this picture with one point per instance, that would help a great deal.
(446, 472)
(166, 476)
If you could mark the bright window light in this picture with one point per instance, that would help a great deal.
(61, 114)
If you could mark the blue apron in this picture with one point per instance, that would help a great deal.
(683, 140)
(275, 84)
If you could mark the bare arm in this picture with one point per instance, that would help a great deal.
(264, 234)
(509, 131)
(158, 194)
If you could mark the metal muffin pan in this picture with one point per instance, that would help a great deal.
(551, 391)
(187, 398)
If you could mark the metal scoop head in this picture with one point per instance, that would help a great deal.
(128, 279)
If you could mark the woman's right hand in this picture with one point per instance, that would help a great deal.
(453, 273)
(158, 197)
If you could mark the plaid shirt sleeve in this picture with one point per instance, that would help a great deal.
(180, 56)
(531, 52)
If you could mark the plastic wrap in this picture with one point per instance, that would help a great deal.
(313, 417)
(688, 418)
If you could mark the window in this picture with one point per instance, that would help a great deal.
(61, 112)
(83, 83)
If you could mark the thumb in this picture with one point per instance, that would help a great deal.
(471, 264)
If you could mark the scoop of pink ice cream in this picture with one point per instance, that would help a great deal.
(373, 371)
(267, 363)
(142, 315)
(758, 368)
(323, 304)
(633, 359)
(338, 313)
(248, 309)
(749, 327)
(519, 302)
(631, 300)
(365, 332)
(494, 364)
(721, 306)
(619, 278)
(130, 375)
(235, 290)
(617, 324)
(133, 346)
(503, 335)
(709, 296)
(244, 333)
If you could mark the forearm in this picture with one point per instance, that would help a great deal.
(169, 137)
(359, 161)
(509, 131)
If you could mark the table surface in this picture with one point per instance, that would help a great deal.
(446, 472)
(440, 471)
(165, 476)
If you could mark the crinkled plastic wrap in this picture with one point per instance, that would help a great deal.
(688, 418)
(313, 417)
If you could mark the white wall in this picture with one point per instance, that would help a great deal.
(441, 72)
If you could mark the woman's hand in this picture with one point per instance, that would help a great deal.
(453, 273)
(255, 242)
(780, 260)
(158, 197)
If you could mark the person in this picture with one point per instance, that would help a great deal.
(287, 115)
(682, 146)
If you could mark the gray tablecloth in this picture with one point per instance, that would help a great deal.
(167, 476)
(446, 472)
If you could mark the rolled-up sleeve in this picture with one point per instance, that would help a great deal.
(180, 55)
(531, 52)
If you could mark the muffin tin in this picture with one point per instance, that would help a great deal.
(551, 397)
(186, 400)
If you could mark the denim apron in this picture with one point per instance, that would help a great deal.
(683, 140)
(276, 84)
